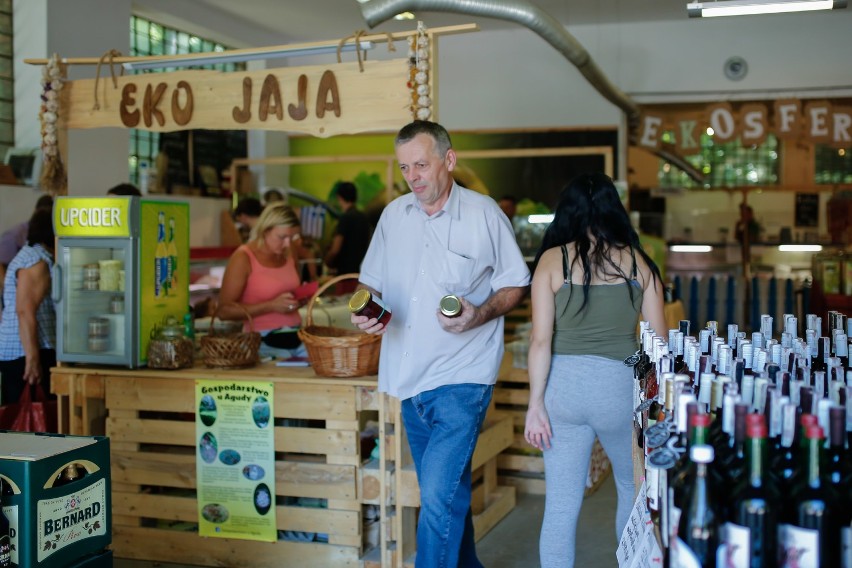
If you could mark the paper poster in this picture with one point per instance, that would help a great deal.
(639, 547)
(235, 460)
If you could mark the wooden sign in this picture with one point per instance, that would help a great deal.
(321, 100)
(818, 121)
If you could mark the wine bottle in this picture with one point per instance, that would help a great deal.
(5, 538)
(810, 533)
(722, 427)
(657, 465)
(698, 530)
(786, 463)
(705, 391)
(704, 341)
(663, 405)
(837, 462)
(683, 472)
(751, 533)
(731, 456)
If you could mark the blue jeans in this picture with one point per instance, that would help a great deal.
(442, 426)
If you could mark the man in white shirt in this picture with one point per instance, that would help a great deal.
(441, 239)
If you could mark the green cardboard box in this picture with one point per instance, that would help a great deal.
(55, 526)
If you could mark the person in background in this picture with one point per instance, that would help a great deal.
(124, 189)
(351, 237)
(746, 225)
(261, 278)
(246, 213)
(15, 238)
(441, 239)
(28, 321)
(509, 205)
(590, 282)
(272, 195)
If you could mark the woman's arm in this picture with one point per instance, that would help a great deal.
(653, 302)
(32, 288)
(546, 280)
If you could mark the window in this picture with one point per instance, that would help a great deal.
(151, 38)
(728, 164)
(832, 165)
(7, 79)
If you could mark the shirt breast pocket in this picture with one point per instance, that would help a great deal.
(459, 274)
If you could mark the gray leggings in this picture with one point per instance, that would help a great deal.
(586, 396)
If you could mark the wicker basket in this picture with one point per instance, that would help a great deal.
(337, 352)
(232, 350)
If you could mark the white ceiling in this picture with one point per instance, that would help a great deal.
(315, 20)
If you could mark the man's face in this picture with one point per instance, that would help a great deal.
(426, 173)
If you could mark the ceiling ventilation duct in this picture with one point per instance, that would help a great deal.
(549, 28)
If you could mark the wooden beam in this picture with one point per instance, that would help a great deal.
(273, 51)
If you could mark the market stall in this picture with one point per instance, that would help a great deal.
(334, 501)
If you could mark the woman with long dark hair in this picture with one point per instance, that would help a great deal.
(591, 281)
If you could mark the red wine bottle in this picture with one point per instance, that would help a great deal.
(752, 530)
(698, 531)
(810, 533)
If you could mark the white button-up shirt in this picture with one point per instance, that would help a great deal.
(467, 249)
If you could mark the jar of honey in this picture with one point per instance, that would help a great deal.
(451, 306)
(363, 303)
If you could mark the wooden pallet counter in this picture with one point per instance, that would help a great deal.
(325, 479)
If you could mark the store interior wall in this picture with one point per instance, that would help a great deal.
(486, 80)
(711, 216)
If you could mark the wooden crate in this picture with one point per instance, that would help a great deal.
(520, 465)
(80, 402)
(151, 426)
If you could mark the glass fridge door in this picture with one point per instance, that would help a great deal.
(94, 307)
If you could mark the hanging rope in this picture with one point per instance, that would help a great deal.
(357, 37)
(112, 53)
(389, 40)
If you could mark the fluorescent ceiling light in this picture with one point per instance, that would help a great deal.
(750, 7)
(691, 248)
(238, 56)
(799, 248)
(540, 218)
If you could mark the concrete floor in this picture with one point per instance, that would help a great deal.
(513, 543)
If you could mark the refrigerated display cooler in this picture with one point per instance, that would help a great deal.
(122, 268)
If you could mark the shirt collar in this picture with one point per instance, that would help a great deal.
(452, 207)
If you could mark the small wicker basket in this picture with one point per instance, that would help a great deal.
(337, 352)
(231, 350)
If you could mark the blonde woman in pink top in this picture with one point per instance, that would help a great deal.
(261, 276)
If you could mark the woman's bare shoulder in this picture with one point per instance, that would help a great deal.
(552, 257)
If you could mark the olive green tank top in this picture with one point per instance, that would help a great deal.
(606, 326)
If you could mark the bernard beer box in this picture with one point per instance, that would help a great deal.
(56, 496)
